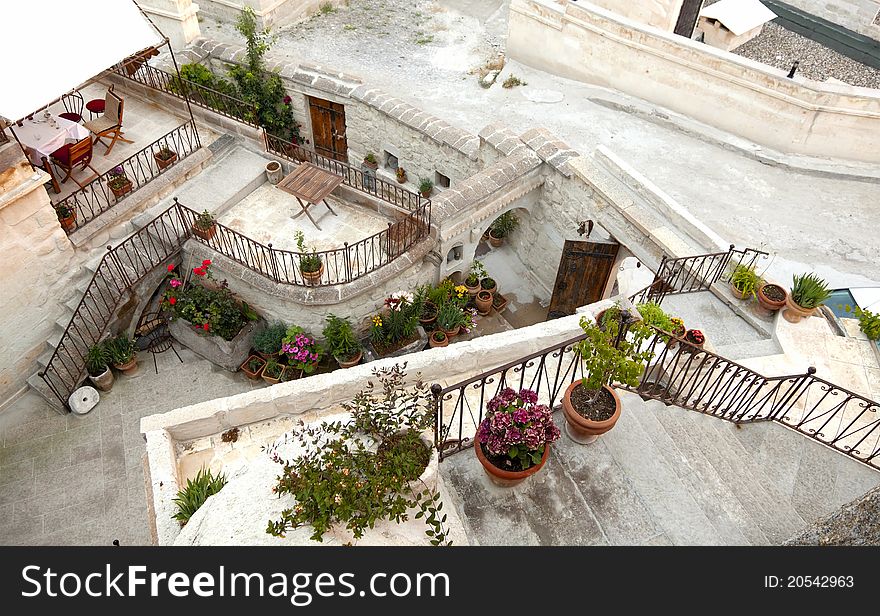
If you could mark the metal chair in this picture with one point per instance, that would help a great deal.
(153, 336)
(73, 107)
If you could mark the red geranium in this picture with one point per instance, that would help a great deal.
(206, 262)
(172, 300)
(205, 327)
(199, 271)
(695, 336)
(170, 267)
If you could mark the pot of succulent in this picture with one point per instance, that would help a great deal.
(472, 282)
(808, 292)
(370, 161)
(272, 371)
(744, 282)
(356, 476)
(513, 441)
(98, 365)
(502, 227)
(273, 171)
(66, 216)
(609, 355)
(426, 187)
(401, 175)
(118, 182)
(165, 158)
(205, 225)
(438, 338)
(267, 341)
(484, 302)
(771, 296)
(311, 266)
(303, 351)
(340, 341)
(253, 367)
(123, 353)
(449, 318)
(694, 337)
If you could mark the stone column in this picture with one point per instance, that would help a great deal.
(177, 19)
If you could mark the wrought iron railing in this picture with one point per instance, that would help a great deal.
(97, 197)
(4, 138)
(679, 374)
(202, 96)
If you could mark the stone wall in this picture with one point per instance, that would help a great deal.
(39, 264)
(584, 42)
(176, 19)
(662, 14)
(269, 13)
(857, 15)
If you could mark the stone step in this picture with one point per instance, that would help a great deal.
(745, 350)
(732, 520)
(36, 383)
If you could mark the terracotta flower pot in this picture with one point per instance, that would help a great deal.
(128, 367)
(426, 193)
(491, 289)
(205, 234)
(472, 290)
(103, 381)
(313, 278)
(349, 363)
(579, 428)
(273, 380)
(484, 302)
(253, 374)
(120, 191)
(68, 223)
(505, 478)
(435, 343)
(499, 302)
(736, 292)
(794, 313)
(427, 320)
(494, 240)
(451, 333)
(369, 165)
(770, 304)
(164, 163)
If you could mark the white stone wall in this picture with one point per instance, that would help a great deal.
(661, 14)
(856, 15)
(39, 263)
(270, 13)
(587, 43)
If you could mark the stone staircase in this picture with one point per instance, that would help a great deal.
(663, 475)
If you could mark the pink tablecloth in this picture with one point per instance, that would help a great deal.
(40, 137)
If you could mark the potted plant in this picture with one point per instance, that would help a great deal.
(123, 353)
(513, 441)
(370, 161)
(590, 405)
(426, 187)
(118, 182)
(66, 216)
(869, 322)
(272, 371)
(808, 292)
(340, 340)
(449, 319)
(484, 302)
(438, 339)
(472, 282)
(488, 284)
(165, 157)
(205, 225)
(98, 365)
(273, 171)
(401, 175)
(744, 282)
(310, 264)
(303, 352)
(253, 367)
(503, 226)
(771, 296)
(267, 341)
(499, 302)
(695, 337)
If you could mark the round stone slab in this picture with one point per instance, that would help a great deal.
(83, 400)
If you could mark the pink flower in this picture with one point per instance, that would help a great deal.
(175, 283)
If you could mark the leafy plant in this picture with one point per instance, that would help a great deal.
(869, 322)
(273, 369)
(116, 178)
(214, 309)
(204, 221)
(255, 363)
(477, 272)
(268, 340)
(809, 291)
(516, 430)
(340, 339)
(653, 314)
(398, 324)
(98, 359)
(368, 469)
(64, 211)
(505, 224)
(611, 358)
(488, 283)
(121, 349)
(401, 174)
(450, 316)
(425, 185)
(512, 81)
(745, 280)
(326, 7)
(196, 493)
(303, 352)
(166, 154)
(309, 262)
(371, 158)
(438, 335)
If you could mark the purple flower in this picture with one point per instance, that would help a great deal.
(528, 396)
(515, 420)
(287, 100)
(521, 416)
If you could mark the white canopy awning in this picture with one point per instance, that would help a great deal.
(49, 47)
(739, 16)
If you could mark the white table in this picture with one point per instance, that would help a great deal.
(40, 137)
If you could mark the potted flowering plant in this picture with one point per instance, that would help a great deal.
(396, 330)
(303, 352)
(513, 441)
(118, 182)
(66, 216)
(165, 157)
(472, 282)
(205, 225)
(695, 337)
(310, 264)
(401, 175)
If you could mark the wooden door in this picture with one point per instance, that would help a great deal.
(583, 273)
(687, 17)
(328, 128)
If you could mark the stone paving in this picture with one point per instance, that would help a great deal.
(79, 480)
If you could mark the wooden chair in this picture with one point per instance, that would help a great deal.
(110, 124)
(73, 107)
(71, 155)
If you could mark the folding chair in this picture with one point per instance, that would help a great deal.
(110, 124)
(153, 336)
(73, 107)
(70, 155)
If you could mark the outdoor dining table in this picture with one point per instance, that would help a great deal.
(44, 134)
(310, 185)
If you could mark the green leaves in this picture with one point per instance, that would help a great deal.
(809, 291)
(196, 492)
(606, 359)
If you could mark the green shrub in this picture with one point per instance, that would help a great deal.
(121, 349)
(653, 314)
(268, 340)
(196, 493)
(745, 280)
(505, 224)
(809, 291)
(98, 359)
(869, 322)
(339, 338)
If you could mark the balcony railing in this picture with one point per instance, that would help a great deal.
(98, 197)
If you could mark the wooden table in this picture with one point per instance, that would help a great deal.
(310, 185)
